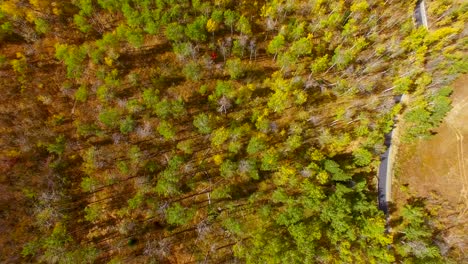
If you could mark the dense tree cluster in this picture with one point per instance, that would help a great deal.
(177, 131)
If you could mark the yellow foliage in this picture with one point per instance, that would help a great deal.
(316, 155)
(30, 16)
(39, 4)
(211, 25)
(322, 177)
(12, 153)
(283, 175)
(45, 99)
(218, 159)
(35, 3)
(108, 61)
(266, 11)
(222, 2)
(56, 9)
(11, 8)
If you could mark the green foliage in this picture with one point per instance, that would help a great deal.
(243, 26)
(123, 167)
(176, 214)
(109, 117)
(235, 68)
(6, 28)
(86, 255)
(337, 173)
(103, 93)
(193, 71)
(183, 50)
(224, 88)
(127, 125)
(282, 177)
(230, 18)
(427, 115)
(402, 85)
(19, 65)
(81, 94)
(238, 49)
(162, 108)
(3, 60)
(221, 193)
(301, 47)
(178, 108)
(219, 136)
(41, 25)
(136, 201)
(166, 130)
(92, 213)
(293, 142)
(441, 105)
(30, 248)
(174, 32)
(256, 144)
(233, 226)
(416, 245)
(217, 16)
(298, 31)
(202, 123)
(186, 146)
(359, 6)
(86, 6)
(58, 147)
(134, 153)
(270, 160)
(109, 40)
(150, 97)
(196, 31)
(82, 23)
(227, 169)
(135, 38)
(290, 216)
(133, 106)
(57, 239)
(342, 58)
(362, 157)
(89, 184)
(276, 44)
(72, 56)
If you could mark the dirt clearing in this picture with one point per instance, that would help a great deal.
(437, 169)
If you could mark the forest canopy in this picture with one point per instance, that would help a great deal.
(218, 131)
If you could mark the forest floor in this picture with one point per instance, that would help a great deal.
(437, 169)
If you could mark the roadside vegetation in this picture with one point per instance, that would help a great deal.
(176, 131)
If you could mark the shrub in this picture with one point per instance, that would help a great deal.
(176, 214)
(202, 122)
(81, 94)
(109, 117)
(127, 125)
(193, 71)
(234, 68)
(166, 130)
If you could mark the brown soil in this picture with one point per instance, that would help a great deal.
(437, 169)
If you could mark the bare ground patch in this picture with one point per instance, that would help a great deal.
(437, 170)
